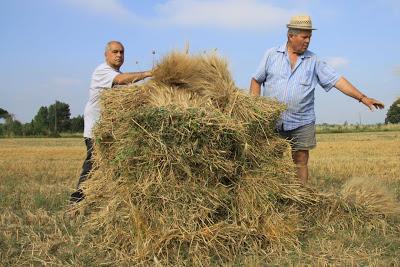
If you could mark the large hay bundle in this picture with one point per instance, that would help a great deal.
(189, 171)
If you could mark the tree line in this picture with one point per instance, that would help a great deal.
(49, 121)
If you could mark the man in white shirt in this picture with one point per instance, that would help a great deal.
(105, 76)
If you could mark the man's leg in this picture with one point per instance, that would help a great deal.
(302, 140)
(300, 158)
(87, 164)
(78, 195)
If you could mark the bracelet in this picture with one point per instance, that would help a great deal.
(361, 98)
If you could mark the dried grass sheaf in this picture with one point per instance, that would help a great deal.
(189, 171)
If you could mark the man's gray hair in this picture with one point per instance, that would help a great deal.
(112, 42)
(293, 31)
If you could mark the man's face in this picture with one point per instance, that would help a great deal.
(115, 55)
(299, 42)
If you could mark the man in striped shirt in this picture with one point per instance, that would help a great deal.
(290, 74)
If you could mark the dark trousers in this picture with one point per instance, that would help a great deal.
(78, 195)
(88, 163)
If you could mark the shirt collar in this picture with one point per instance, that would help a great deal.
(283, 49)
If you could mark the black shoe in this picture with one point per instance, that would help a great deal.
(77, 196)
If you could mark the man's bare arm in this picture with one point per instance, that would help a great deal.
(347, 88)
(128, 77)
(255, 87)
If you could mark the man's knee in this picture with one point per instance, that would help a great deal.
(300, 158)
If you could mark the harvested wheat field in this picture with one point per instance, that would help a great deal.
(189, 172)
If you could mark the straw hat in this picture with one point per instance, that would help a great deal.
(302, 22)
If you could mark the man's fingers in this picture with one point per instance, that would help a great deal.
(375, 104)
(378, 104)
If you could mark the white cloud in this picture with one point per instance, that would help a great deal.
(111, 8)
(223, 14)
(337, 62)
(230, 14)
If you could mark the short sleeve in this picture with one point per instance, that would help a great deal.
(261, 73)
(327, 76)
(103, 77)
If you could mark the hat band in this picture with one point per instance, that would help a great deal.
(305, 27)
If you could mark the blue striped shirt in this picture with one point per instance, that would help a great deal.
(294, 87)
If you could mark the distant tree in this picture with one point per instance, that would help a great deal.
(393, 114)
(27, 129)
(16, 128)
(77, 124)
(40, 122)
(7, 125)
(59, 115)
(11, 127)
(3, 113)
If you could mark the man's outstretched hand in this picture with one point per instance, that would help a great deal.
(372, 103)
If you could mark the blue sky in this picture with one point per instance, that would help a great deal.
(49, 48)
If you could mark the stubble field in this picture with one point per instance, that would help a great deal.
(37, 176)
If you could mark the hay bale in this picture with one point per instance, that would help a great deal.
(189, 171)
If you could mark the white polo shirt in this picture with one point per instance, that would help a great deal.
(102, 78)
